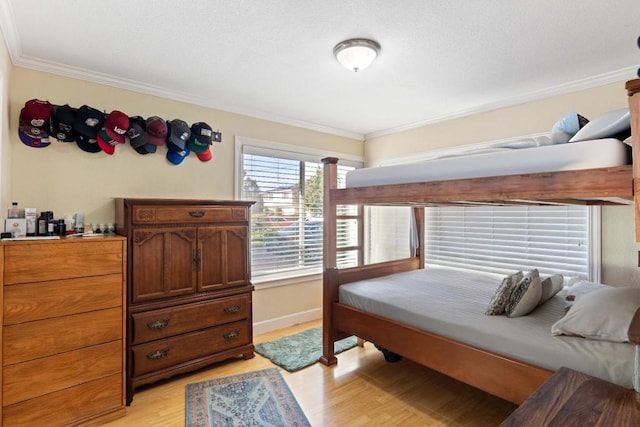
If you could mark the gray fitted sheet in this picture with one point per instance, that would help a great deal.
(451, 303)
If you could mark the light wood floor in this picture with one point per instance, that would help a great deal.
(362, 390)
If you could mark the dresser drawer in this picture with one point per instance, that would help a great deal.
(67, 406)
(189, 214)
(27, 302)
(49, 374)
(166, 322)
(38, 262)
(31, 340)
(168, 352)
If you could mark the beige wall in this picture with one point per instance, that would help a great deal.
(5, 146)
(619, 250)
(66, 180)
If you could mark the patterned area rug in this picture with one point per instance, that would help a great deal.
(300, 350)
(260, 398)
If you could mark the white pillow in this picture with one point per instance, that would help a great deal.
(603, 315)
(550, 286)
(604, 126)
(582, 288)
(526, 295)
(502, 295)
(567, 126)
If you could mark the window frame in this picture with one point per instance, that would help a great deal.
(300, 152)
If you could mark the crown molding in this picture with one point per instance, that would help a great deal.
(577, 85)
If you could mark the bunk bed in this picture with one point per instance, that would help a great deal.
(510, 378)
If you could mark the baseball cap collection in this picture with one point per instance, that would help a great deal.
(95, 131)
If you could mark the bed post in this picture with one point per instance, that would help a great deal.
(418, 214)
(633, 90)
(330, 273)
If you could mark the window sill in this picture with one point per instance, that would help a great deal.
(274, 282)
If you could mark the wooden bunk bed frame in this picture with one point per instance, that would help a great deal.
(507, 378)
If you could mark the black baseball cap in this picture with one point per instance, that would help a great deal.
(178, 133)
(88, 121)
(90, 145)
(138, 137)
(61, 124)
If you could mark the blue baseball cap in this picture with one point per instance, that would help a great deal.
(176, 157)
(33, 142)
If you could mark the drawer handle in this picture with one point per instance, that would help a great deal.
(232, 308)
(158, 354)
(158, 324)
(197, 214)
(231, 335)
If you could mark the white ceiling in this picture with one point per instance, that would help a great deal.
(273, 59)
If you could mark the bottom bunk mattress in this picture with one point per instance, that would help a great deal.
(451, 303)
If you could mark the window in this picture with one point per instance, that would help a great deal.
(554, 239)
(387, 233)
(286, 219)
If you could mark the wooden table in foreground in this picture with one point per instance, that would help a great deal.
(571, 398)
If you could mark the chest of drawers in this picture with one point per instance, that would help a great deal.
(63, 331)
(189, 289)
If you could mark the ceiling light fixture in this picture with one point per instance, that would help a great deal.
(356, 54)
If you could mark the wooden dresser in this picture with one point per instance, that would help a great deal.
(63, 331)
(189, 289)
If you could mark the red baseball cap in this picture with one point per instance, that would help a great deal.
(116, 125)
(36, 113)
(205, 155)
(34, 118)
(156, 130)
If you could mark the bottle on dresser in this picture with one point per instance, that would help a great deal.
(13, 211)
(14, 224)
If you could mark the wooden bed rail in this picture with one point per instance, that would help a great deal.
(633, 90)
(612, 185)
(370, 271)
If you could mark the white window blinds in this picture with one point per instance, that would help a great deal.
(387, 233)
(286, 220)
(499, 239)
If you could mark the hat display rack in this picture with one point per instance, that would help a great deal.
(95, 131)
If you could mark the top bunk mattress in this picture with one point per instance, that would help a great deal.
(451, 303)
(598, 153)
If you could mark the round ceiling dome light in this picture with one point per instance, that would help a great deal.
(356, 54)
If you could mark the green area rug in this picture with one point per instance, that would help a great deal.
(300, 350)
(260, 398)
